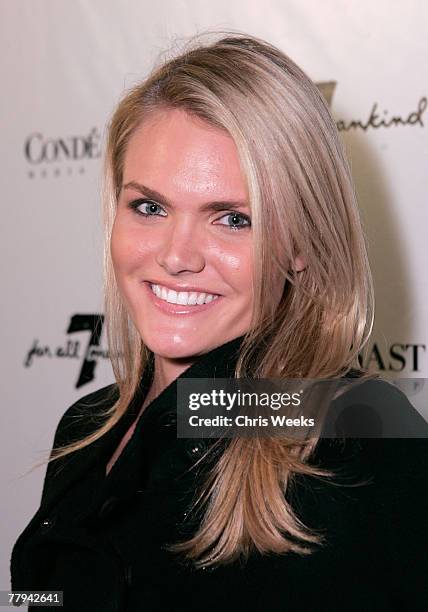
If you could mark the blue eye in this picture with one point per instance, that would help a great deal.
(150, 208)
(238, 221)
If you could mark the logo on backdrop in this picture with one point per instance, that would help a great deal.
(59, 156)
(50, 156)
(396, 358)
(86, 355)
(377, 118)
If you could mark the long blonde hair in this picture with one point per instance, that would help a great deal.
(303, 203)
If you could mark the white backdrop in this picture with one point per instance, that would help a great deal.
(64, 66)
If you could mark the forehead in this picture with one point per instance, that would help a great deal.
(174, 152)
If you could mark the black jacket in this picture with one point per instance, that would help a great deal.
(101, 540)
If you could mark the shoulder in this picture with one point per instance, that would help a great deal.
(373, 430)
(375, 408)
(81, 419)
(85, 415)
(377, 436)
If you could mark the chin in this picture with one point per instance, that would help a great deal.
(174, 346)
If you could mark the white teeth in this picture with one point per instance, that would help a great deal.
(184, 298)
(172, 296)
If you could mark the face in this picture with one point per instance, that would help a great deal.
(181, 243)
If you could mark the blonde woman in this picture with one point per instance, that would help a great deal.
(233, 249)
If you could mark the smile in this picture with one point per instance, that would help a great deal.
(184, 298)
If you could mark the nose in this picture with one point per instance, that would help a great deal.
(181, 249)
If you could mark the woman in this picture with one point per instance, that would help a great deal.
(233, 249)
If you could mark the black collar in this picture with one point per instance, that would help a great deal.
(220, 362)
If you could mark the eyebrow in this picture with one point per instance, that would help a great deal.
(217, 205)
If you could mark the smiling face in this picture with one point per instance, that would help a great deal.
(181, 242)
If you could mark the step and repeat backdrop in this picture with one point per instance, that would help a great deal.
(64, 67)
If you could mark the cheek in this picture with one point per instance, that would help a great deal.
(117, 247)
(236, 265)
(128, 247)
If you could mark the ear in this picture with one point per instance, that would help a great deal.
(299, 263)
